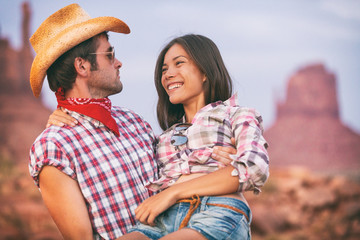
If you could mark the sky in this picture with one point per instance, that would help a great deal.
(263, 43)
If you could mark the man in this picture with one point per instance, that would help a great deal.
(91, 175)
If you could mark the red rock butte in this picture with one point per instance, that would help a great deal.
(308, 130)
(22, 115)
(15, 64)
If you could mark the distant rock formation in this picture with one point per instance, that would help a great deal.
(22, 116)
(15, 64)
(294, 204)
(308, 130)
(23, 215)
(300, 204)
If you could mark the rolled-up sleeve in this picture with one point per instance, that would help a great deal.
(48, 152)
(251, 161)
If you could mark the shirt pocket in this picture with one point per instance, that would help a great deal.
(213, 130)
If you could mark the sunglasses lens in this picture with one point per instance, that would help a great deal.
(178, 139)
(181, 128)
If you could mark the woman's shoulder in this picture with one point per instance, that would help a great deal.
(248, 115)
(244, 110)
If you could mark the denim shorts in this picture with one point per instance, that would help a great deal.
(213, 222)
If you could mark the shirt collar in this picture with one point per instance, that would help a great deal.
(231, 102)
(81, 117)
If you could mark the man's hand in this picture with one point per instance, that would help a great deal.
(224, 154)
(149, 209)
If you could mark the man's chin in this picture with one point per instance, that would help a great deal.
(116, 90)
(120, 88)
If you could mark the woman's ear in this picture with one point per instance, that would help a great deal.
(204, 78)
(81, 66)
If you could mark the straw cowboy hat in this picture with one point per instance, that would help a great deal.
(62, 31)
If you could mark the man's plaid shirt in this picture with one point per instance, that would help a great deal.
(111, 171)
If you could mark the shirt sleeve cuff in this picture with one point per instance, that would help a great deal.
(245, 182)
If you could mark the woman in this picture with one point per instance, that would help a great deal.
(199, 198)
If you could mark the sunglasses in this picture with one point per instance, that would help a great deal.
(178, 138)
(110, 54)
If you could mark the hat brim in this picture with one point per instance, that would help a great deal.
(66, 40)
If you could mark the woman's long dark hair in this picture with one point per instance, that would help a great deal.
(207, 57)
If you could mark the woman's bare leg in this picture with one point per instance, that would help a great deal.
(184, 234)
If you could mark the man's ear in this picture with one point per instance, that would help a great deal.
(81, 66)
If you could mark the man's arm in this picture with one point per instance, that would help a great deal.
(63, 198)
(216, 183)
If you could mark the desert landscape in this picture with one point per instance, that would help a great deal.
(314, 187)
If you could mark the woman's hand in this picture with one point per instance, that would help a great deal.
(60, 118)
(149, 209)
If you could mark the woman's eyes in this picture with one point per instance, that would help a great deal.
(177, 63)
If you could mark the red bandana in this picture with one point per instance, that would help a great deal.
(99, 109)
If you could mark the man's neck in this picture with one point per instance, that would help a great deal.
(78, 91)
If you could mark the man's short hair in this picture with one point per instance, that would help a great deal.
(62, 72)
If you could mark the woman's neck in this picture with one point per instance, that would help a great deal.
(192, 109)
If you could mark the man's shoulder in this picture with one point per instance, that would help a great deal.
(118, 109)
(124, 110)
(131, 118)
(127, 114)
(54, 134)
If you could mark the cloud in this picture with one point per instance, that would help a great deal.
(347, 9)
(284, 29)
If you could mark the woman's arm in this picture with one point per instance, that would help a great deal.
(219, 182)
(60, 118)
(252, 160)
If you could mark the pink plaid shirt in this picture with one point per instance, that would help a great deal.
(111, 171)
(215, 125)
